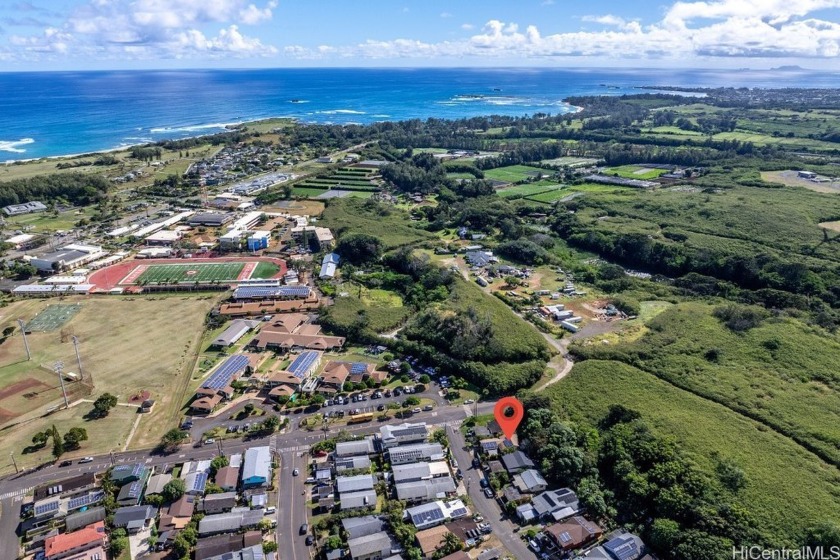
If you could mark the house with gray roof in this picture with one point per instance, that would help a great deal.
(404, 454)
(530, 482)
(134, 518)
(625, 546)
(517, 462)
(358, 500)
(354, 448)
(256, 469)
(156, 483)
(352, 463)
(354, 483)
(403, 433)
(363, 526)
(425, 490)
(218, 503)
(81, 519)
(372, 547)
(552, 504)
(237, 329)
(229, 522)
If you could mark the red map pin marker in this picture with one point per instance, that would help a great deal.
(508, 422)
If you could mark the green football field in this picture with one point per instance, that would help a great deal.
(197, 272)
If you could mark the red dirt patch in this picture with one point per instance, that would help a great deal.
(141, 396)
(23, 386)
(111, 277)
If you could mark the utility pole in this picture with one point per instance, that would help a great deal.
(12, 455)
(58, 368)
(219, 445)
(25, 342)
(111, 453)
(78, 358)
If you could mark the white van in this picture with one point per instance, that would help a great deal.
(270, 510)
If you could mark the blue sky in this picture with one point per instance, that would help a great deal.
(111, 34)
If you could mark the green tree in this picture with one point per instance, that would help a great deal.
(173, 490)
(424, 379)
(103, 405)
(359, 248)
(40, 439)
(269, 546)
(218, 463)
(119, 544)
(58, 443)
(173, 438)
(451, 544)
(74, 437)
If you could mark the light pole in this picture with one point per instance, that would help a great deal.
(78, 358)
(25, 342)
(58, 368)
(12, 455)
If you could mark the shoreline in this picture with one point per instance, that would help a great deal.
(228, 127)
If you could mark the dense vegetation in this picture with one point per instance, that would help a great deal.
(72, 188)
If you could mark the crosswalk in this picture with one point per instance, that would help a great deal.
(293, 449)
(16, 493)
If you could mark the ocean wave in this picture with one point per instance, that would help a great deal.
(12, 145)
(341, 112)
(194, 128)
(381, 116)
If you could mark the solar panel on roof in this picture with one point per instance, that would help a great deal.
(135, 489)
(222, 376)
(427, 516)
(303, 363)
(565, 537)
(200, 482)
(460, 512)
(357, 368)
(623, 548)
(50, 507)
(86, 500)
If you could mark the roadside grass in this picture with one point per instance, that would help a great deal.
(706, 430)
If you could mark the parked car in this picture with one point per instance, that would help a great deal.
(484, 482)
(416, 409)
(428, 407)
(269, 510)
(209, 441)
(469, 401)
(310, 540)
(65, 463)
(489, 493)
(380, 408)
(304, 528)
(85, 460)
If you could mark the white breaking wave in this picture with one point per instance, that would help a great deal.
(341, 112)
(12, 145)
(381, 116)
(194, 128)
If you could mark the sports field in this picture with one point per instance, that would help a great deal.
(52, 317)
(207, 273)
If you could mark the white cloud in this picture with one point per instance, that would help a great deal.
(154, 29)
(445, 15)
(467, 26)
(688, 29)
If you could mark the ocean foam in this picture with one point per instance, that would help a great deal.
(341, 112)
(194, 128)
(12, 145)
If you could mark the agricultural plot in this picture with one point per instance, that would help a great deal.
(514, 173)
(308, 192)
(550, 196)
(347, 178)
(526, 190)
(127, 346)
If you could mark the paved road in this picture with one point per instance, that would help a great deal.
(8, 523)
(291, 507)
(488, 508)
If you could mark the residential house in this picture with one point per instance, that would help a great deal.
(131, 493)
(574, 533)
(256, 470)
(229, 522)
(178, 515)
(351, 463)
(227, 478)
(530, 482)
(355, 448)
(218, 503)
(435, 513)
(354, 483)
(625, 546)
(404, 454)
(490, 447)
(419, 471)
(403, 433)
(376, 546)
(79, 519)
(425, 490)
(517, 462)
(357, 500)
(67, 488)
(66, 545)
(363, 526)
(553, 504)
(211, 547)
(134, 518)
(131, 472)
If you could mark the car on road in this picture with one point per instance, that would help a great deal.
(535, 546)
(209, 441)
(295, 472)
(380, 408)
(483, 482)
(65, 463)
(310, 540)
(476, 463)
(469, 401)
(489, 493)
(304, 528)
(428, 407)
(416, 409)
(85, 460)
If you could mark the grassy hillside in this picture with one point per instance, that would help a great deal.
(390, 224)
(710, 433)
(782, 373)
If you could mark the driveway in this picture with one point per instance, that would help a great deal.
(488, 508)
(137, 543)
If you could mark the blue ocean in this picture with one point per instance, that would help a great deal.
(60, 113)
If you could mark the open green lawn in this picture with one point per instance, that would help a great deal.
(635, 172)
(195, 272)
(526, 190)
(265, 270)
(513, 173)
(787, 487)
(42, 222)
(308, 191)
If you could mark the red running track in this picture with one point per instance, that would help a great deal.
(110, 277)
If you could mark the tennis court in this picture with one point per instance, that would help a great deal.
(52, 317)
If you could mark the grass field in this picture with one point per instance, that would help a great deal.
(526, 190)
(771, 462)
(127, 344)
(384, 310)
(635, 172)
(52, 317)
(308, 192)
(198, 272)
(391, 225)
(513, 173)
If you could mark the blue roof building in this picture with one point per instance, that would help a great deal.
(256, 469)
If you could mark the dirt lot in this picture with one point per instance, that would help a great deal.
(792, 179)
(127, 345)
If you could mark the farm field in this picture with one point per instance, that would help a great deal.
(513, 173)
(706, 430)
(309, 192)
(117, 336)
(635, 172)
(526, 190)
(350, 178)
